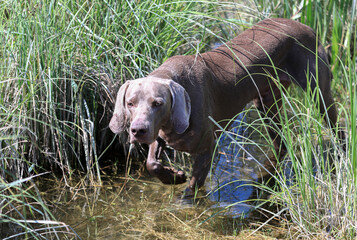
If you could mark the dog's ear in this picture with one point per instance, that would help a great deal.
(118, 122)
(181, 107)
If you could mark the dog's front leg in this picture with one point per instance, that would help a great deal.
(201, 167)
(166, 174)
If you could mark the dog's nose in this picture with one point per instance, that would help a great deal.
(138, 130)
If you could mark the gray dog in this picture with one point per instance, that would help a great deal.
(172, 104)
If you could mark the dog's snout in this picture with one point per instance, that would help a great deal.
(139, 130)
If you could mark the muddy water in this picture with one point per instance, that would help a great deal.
(143, 208)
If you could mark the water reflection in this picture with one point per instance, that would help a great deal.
(142, 207)
(235, 169)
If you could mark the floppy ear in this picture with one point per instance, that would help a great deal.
(118, 122)
(181, 107)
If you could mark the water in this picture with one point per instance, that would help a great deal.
(132, 207)
(237, 166)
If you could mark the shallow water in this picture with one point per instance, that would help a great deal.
(237, 167)
(129, 208)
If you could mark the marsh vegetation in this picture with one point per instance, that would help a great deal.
(63, 61)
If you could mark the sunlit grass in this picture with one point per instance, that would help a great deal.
(62, 62)
(25, 215)
(316, 183)
(61, 65)
(320, 194)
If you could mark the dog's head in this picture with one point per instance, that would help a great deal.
(147, 105)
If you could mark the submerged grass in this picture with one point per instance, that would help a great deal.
(62, 62)
(25, 215)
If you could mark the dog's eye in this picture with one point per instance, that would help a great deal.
(156, 103)
(130, 104)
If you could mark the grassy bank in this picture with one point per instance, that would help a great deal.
(63, 61)
(318, 194)
(315, 190)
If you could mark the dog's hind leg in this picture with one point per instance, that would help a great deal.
(269, 103)
(311, 68)
(327, 104)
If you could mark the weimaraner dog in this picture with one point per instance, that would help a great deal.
(172, 104)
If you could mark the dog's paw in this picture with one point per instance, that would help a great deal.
(173, 176)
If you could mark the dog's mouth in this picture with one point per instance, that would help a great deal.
(141, 139)
(142, 132)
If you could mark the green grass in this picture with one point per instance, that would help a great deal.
(25, 215)
(61, 65)
(320, 197)
(62, 62)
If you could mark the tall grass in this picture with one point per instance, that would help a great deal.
(316, 183)
(62, 62)
(61, 65)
